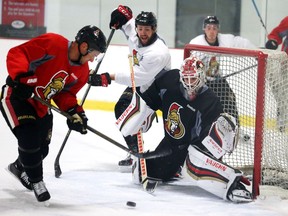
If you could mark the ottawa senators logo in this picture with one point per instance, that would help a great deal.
(55, 85)
(173, 125)
(135, 59)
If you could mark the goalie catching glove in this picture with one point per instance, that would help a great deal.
(79, 121)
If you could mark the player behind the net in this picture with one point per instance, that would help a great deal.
(197, 132)
(214, 79)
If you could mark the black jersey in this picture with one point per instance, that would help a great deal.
(185, 122)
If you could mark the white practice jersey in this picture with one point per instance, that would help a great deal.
(225, 40)
(148, 60)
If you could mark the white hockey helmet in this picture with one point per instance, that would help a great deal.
(192, 75)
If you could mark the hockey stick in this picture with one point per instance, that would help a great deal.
(239, 71)
(257, 11)
(57, 168)
(153, 154)
(148, 183)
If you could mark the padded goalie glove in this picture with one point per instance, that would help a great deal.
(103, 79)
(79, 122)
(271, 44)
(23, 85)
(120, 16)
(223, 136)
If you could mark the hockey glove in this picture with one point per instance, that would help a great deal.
(23, 85)
(103, 79)
(79, 123)
(271, 44)
(120, 16)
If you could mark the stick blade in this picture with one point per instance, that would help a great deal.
(58, 171)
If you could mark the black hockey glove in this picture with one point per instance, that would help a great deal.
(103, 79)
(79, 123)
(271, 44)
(23, 85)
(120, 16)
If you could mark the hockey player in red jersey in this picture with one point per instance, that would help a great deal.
(277, 35)
(51, 67)
(197, 132)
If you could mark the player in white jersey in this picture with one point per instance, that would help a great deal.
(150, 57)
(218, 84)
(212, 37)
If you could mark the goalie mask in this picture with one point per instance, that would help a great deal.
(192, 77)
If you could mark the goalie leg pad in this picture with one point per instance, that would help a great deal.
(131, 120)
(214, 176)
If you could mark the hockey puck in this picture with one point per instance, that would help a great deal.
(131, 204)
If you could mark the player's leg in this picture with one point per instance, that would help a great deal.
(131, 141)
(22, 120)
(162, 168)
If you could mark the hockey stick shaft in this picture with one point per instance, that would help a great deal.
(88, 127)
(57, 168)
(154, 154)
(239, 71)
(259, 15)
(142, 161)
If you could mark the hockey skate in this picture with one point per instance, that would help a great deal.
(239, 194)
(17, 171)
(40, 191)
(126, 164)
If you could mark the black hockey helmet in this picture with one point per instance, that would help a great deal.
(146, 19)
(211, 20)
(93, 36)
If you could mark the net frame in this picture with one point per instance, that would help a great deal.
(261, 57)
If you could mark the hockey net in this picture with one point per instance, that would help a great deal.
(259, 81)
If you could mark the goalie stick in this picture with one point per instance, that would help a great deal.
(57, 168)
(147, 155)
(148, 183)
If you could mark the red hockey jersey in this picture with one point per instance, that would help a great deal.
(58, 78)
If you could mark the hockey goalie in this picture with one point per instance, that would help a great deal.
(197, 132)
